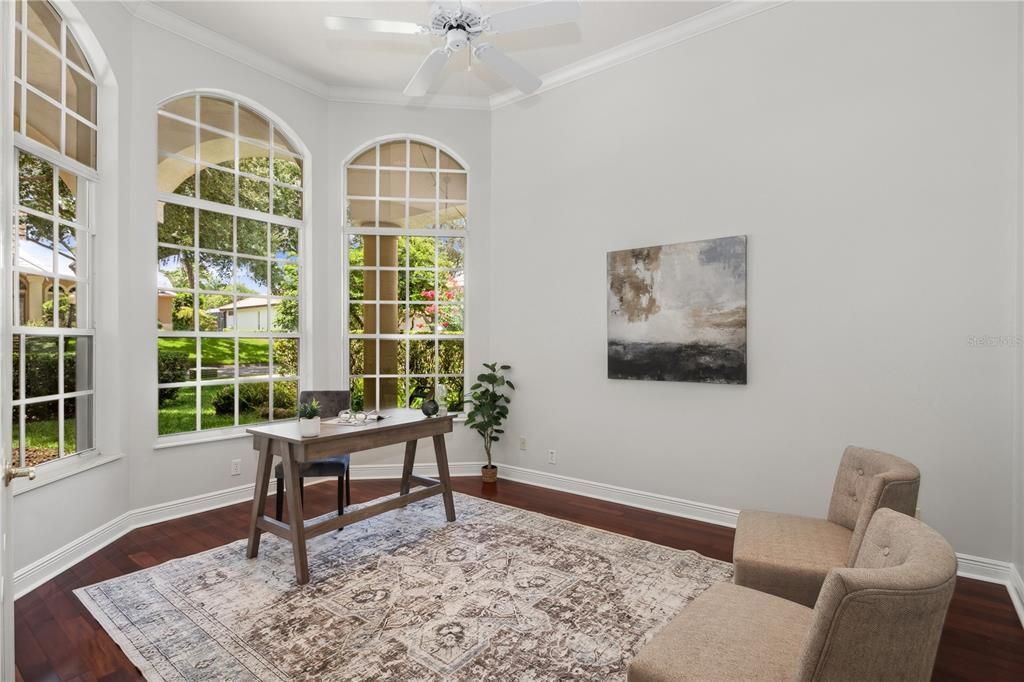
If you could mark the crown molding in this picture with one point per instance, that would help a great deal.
(341, 93)
(704, 22)
(736, 10)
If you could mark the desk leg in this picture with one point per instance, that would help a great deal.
(441, 452)
(259, 499)
(293, 496)
(410, 459)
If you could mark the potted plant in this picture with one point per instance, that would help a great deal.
(309, 418)
(489, 411)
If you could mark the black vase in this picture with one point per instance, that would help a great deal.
(429, 407)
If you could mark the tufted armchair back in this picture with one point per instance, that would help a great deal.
(882, 618)
(331, 402)
(868, 480)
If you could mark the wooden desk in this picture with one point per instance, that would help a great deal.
(283, 440)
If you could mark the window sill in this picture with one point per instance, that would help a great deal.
(51, 472)
(200, 437)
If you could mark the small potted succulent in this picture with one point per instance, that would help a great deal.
(489, 411)
(309, 419)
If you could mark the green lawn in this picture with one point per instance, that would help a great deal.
(219, 352)
(179, 414)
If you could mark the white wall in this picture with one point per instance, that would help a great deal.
(869, 151)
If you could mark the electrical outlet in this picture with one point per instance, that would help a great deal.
(236, 467)
(551, 456)
(522, 443)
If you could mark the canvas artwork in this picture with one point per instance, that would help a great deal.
(679, 312)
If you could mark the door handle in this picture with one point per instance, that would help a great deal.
(13, 472)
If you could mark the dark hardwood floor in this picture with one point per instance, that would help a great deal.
(57, 639)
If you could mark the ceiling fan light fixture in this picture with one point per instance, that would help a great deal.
(456, 39)
(461, 24)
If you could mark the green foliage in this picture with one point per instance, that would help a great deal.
(254, 398)
(490, 404)
(357, 396)
(286, 399)
(286, 316)
(309, 410)
(35, 189)
(35, 183)
(224, 400)
(172, 368)
(183, 321)
(217, 231)
(41, 378)
(446, 253)
(67, 311)
(286, 356)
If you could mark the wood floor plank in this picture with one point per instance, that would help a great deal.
(57, 640)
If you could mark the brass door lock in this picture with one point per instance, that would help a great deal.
(13, 472)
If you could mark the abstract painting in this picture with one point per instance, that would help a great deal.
(679, 312)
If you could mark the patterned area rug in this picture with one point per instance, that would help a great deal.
(501, 594)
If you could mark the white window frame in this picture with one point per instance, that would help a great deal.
(302, 335)
(21, 138)
(88, 179)
(348, 230)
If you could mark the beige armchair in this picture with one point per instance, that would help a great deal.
(879, 620)
(789, 556)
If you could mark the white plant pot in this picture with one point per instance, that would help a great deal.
(309, 427)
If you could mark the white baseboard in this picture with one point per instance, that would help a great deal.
(1016, 588)
(969, 566)
(38, 572)
(981, 568)
(699, 511)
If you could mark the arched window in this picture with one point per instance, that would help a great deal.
(405, 237)
(55, 138)
(230, 222)
(54, 87)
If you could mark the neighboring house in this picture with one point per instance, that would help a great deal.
(253, 314)
(164, 302)
(248, 314)
(36, 288)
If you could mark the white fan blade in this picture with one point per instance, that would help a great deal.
(372, 25)
(534, 16)
(429, 70)
(506, 67)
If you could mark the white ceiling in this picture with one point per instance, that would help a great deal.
(292, 33)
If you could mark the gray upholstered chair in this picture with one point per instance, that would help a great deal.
(789, 556)
(331, 403)
(881, 619)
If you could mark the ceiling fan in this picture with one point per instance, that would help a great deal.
(462, 25)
